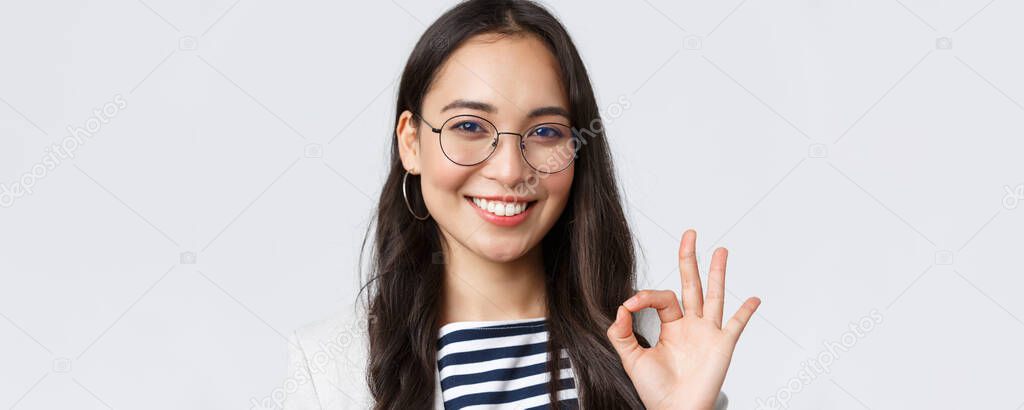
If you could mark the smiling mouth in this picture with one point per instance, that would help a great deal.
(500, 208)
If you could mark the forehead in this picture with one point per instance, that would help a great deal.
(514, 73)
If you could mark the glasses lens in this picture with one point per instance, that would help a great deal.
(467, 140)
(550, 147)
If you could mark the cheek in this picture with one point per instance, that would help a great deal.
(559, 184)
(441, 182)
(557, 187)
(444, 182)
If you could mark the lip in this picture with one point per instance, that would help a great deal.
(505, 221)
(502, 198)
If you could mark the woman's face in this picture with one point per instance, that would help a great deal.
(504, 79)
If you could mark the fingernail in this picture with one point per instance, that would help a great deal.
(630, 302)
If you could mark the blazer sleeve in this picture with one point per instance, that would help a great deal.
(304, 395)
(327, 365)
(648, 324)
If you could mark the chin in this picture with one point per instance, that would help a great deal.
(501, 251)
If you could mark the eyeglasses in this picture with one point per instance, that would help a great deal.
(468, 140)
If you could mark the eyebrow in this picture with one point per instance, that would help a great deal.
(488, 108)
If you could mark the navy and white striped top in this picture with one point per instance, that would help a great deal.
(499, 364)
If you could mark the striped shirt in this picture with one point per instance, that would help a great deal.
(499, 364)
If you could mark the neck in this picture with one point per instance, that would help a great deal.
(477, 289)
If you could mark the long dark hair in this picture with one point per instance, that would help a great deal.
(588, 254)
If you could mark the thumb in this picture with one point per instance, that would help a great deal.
(620, 333)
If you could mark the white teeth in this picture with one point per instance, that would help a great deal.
(500, 208)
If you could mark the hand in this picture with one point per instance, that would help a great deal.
(687, 366)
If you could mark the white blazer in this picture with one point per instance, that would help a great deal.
(327, 364)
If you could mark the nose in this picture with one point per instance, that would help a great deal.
(506, 164)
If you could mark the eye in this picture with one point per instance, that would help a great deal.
(468, 126)
(547, 132)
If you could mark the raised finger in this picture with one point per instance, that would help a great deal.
(715, 300)
(742, 316)
(689, 277)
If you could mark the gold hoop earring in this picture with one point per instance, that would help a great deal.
(406, 197)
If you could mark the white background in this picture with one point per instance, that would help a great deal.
(849, 158)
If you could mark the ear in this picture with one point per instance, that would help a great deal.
(408, 142)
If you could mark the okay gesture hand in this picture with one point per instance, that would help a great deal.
(687, 366)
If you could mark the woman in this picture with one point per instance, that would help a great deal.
(500, 239)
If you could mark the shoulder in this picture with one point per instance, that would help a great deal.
(338, 328)
(327, 363)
